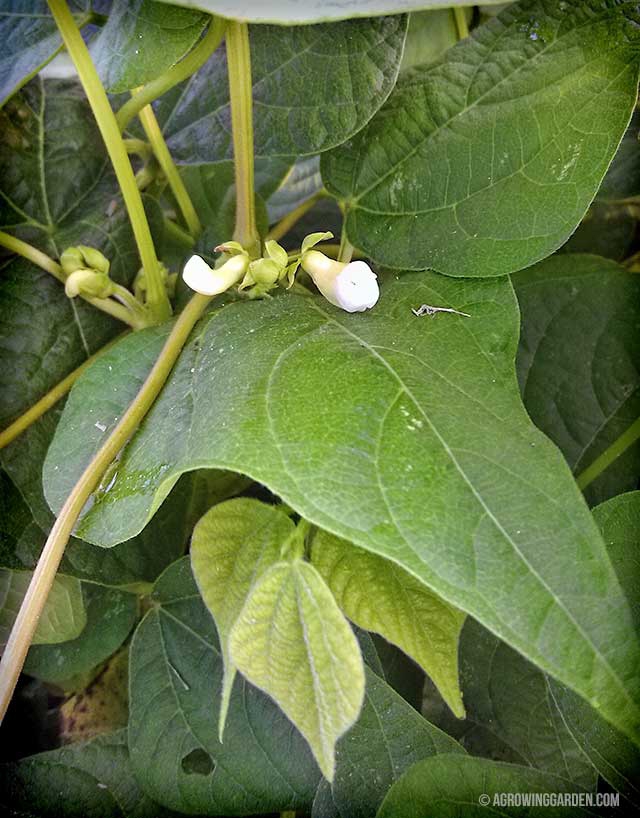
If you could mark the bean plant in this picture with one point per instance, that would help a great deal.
(319, 356)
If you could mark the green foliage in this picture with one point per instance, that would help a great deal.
(409, 471)
(435, 788)
(380, 596)
(486, 161)
(424, 401)
(313, 86)
(141, 40)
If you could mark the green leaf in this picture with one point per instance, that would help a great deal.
(232, 546)
(429, 35)
(111, 615)
(614, 756)
(437, 787)
(63, 616)
(313, 87)
(485, 162)
(393, 448)
(380, 596)
(30, 39)
(623, 177)
(511, 715)
(291, 12)
(292, 641)
(53, 204)
(387, 739)
(176, 671)
(92, 778)
(607, 230)
(577, 360)
(264, 764)
(141, 40)
(300, 183)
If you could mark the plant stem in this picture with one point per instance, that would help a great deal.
(460, 17)
(187, 66)
(139, 147)
(346, 249)
(287, 222)
(609, 455)
(45, 571)
(241, 96)
(47, 264)
(157, 299)
(159, 146)
(178, 233)
(45, 403)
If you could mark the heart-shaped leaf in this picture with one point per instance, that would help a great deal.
(486, 162)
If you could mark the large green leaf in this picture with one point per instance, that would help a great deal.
(485, 162)
(63, 616)
(313, 87)
(292, 12)
(405, 436)
(111, 614)
(380, 596)
(511, 715)
(141, 40)
(92, 778)
(578, 360)
(614, 756)
(30, 39)
(438, 787)
(233, 544)
(292, 641)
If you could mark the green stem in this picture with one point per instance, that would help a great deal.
(139, 147)
(241, 96)
(157, 299)
(45, 571)
(609, 455)
(194, 60)
(460, 17)
(45, 403)
(287, 222)
(159, 146)
(346, 249)
(178, 233)
(47, 264)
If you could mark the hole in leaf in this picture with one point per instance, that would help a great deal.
(198, 762)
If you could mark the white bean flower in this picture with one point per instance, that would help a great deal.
(209, 281)
(353, 287)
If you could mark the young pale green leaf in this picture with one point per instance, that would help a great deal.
(63, 618)
(612, 754)
(438, 786)
(264, 764)
(92, 778)
(232, 546)
(313, 87)
(141, 40)
(393, 448)
(485, 162)
(578, 360)
(292, 12)
(30, 39)
(110, 616)
(378, 595)
(292, 641)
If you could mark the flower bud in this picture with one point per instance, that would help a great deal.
(206, 281)
(353, 287)
(88, 283)
(71, 260)
(94, 259)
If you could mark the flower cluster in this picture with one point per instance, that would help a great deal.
(351, 286)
